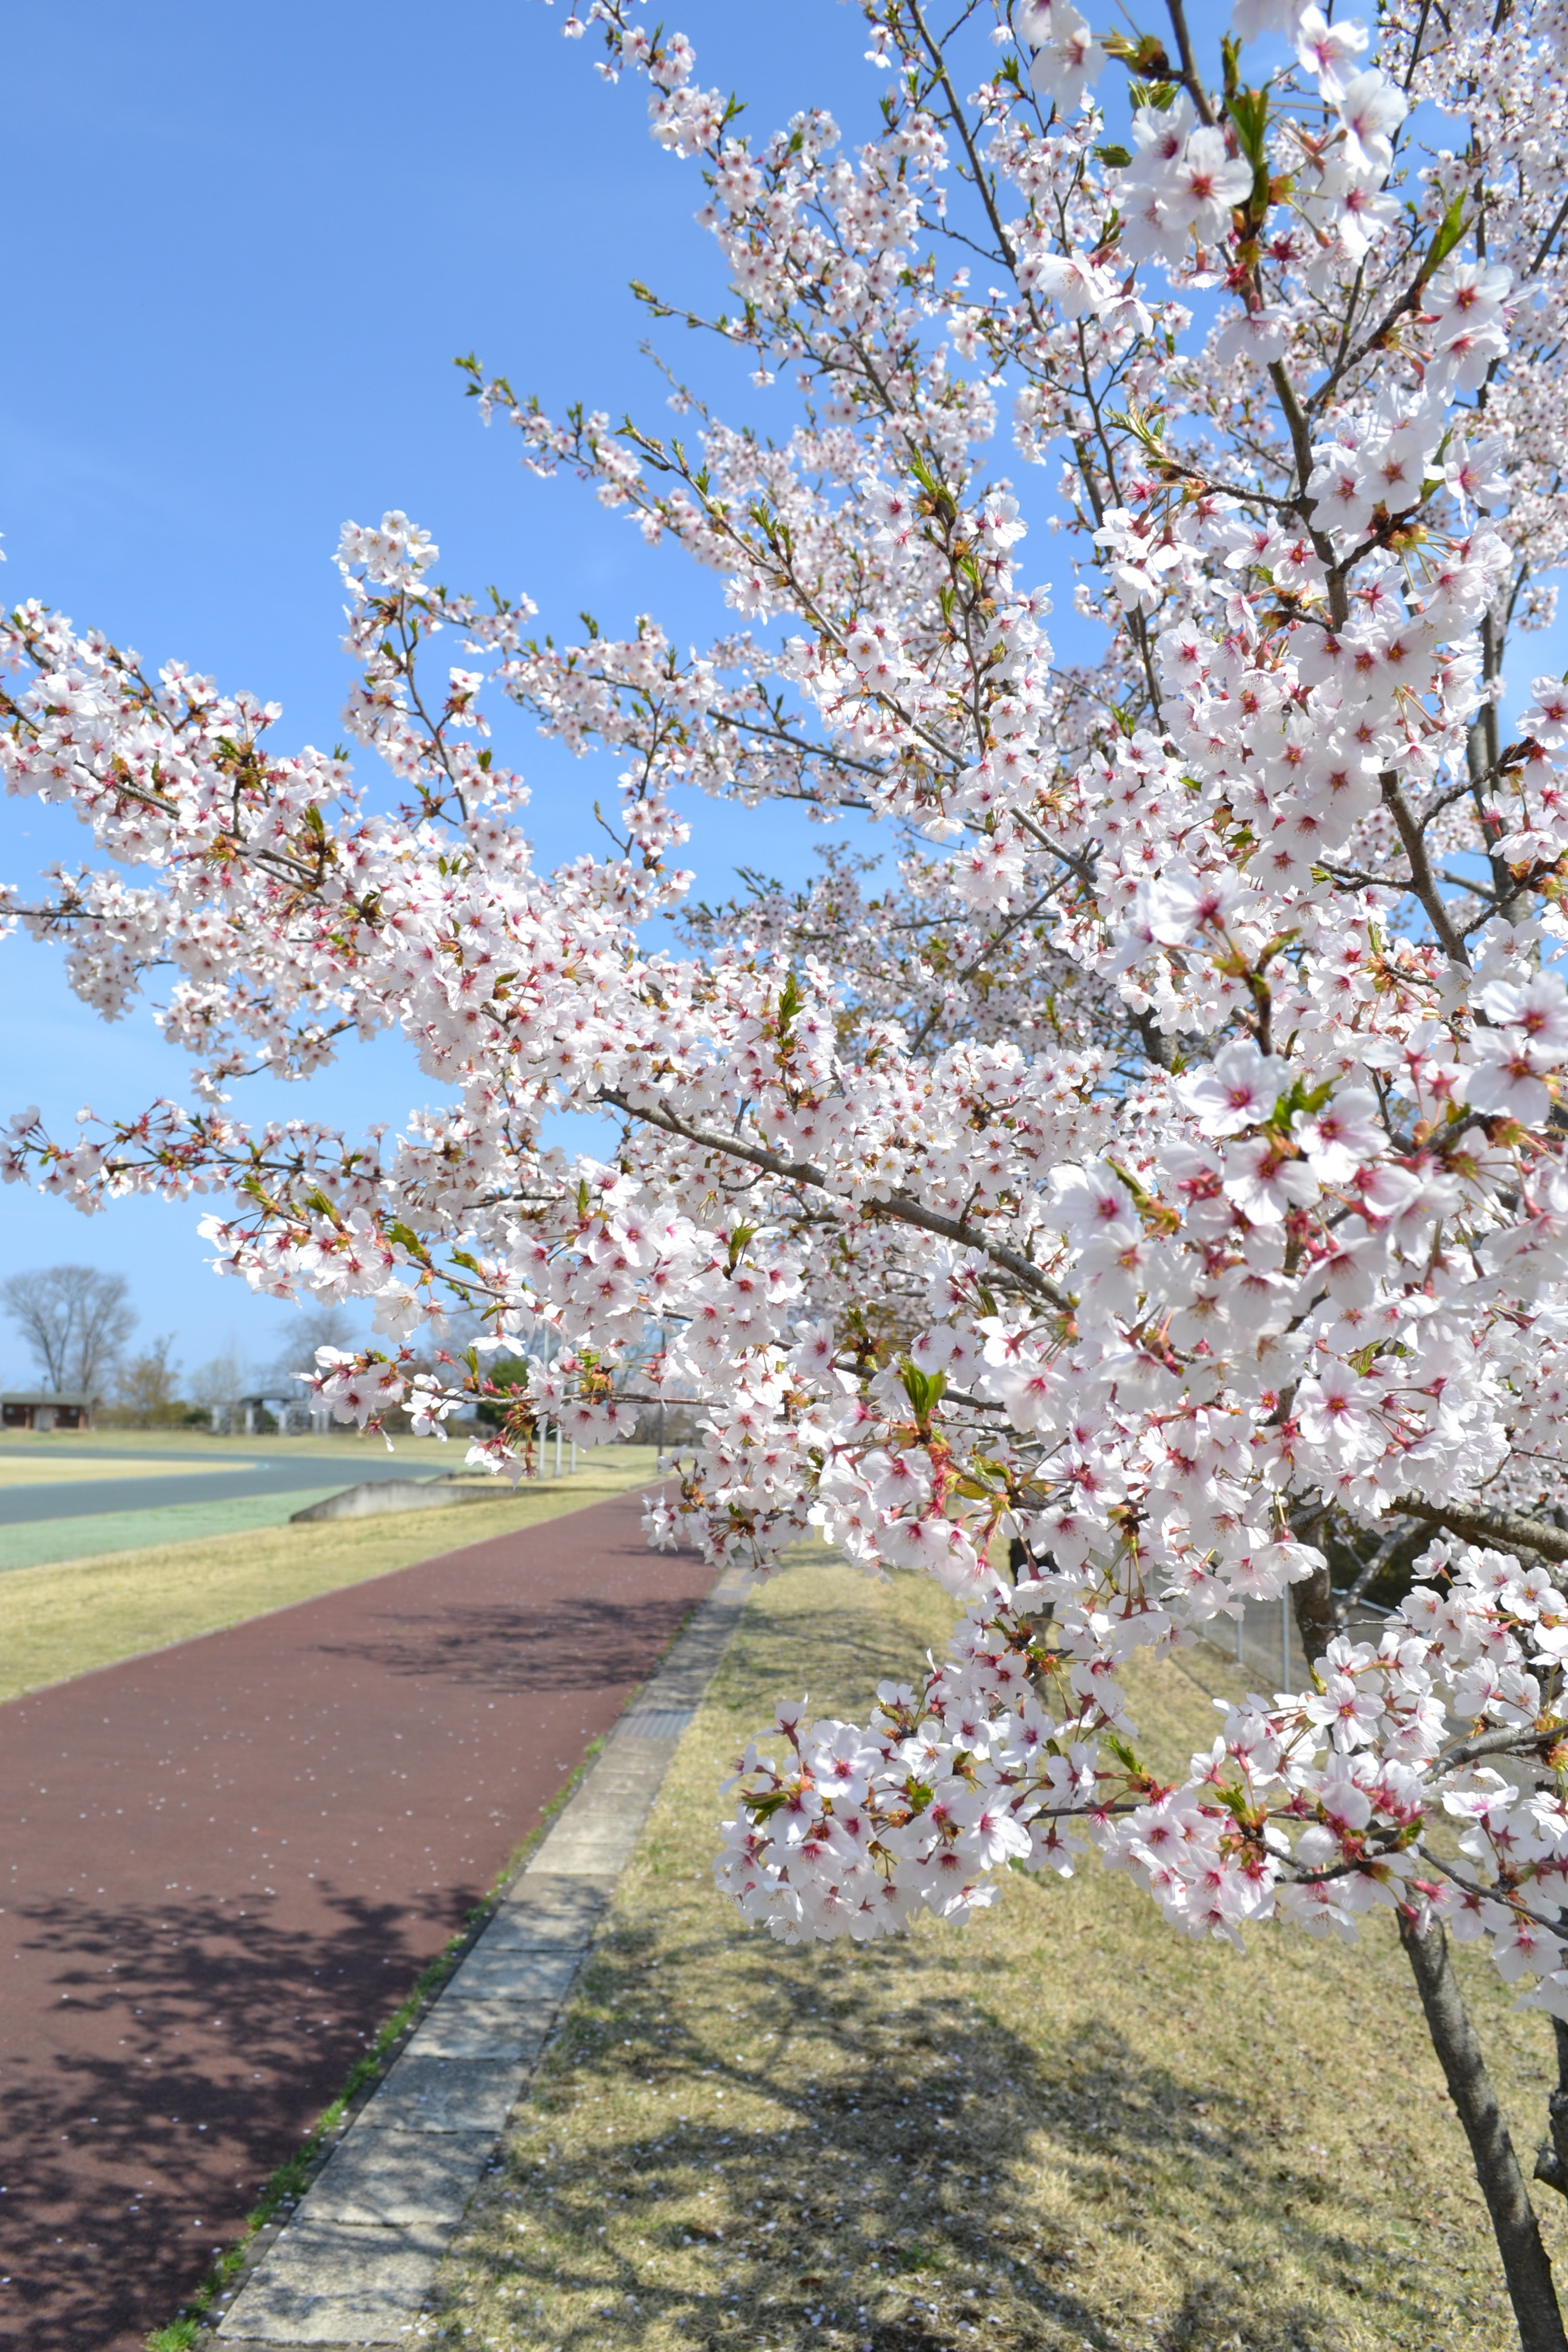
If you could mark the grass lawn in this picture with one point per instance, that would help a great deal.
(78, 1446)
(1059, 2126)
(62, 1619)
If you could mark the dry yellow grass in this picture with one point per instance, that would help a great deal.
(62, 1620)
(83, 1469)
(1055, 2128)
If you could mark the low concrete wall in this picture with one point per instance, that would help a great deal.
(396, 1494)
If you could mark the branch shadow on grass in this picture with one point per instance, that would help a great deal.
(900, 2184)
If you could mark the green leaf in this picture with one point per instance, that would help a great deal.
(761, 1808)
(1249, 113)
(1299, 1097)
(1146, 53)
(924, 1390)
(1450, 229)
(738, 1238)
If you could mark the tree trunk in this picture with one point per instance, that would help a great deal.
(1316, 1622)
(1551, 2164)
(1518, 2234)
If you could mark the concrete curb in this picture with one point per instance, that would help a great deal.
(378, 1494)
(356, 2262)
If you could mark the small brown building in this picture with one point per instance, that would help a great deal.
(43, 1409)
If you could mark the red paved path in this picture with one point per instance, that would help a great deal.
(227, 1862)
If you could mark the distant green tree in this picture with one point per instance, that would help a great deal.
(509, 1373)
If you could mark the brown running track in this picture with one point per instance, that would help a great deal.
(226, 1863)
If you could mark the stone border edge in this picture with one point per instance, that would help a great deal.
(352, 2265)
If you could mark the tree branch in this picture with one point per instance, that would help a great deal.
(1516, 1737)
(1422, 880)
(1512, 1529)
(1525, 2262)
(1191, 78)
(901, 1207)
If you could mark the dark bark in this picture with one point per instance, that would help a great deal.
(1159, 1048)
(1524, 2259)
(1551, 2164)
(1317, 1621)
(1509, 1530)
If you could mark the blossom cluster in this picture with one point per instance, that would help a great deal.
(1365, 1793)
(1159, 1167)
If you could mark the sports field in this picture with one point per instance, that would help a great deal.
(72, 1496)
(94, 1586)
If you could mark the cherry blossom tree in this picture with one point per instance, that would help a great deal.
(1152, 1171)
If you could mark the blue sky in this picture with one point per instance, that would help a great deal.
(260, 238)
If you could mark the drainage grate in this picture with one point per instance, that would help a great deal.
(655, 1723)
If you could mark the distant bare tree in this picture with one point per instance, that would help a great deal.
(219, 1386)
(145, 1390)
(74, 1320)
(327, 1325)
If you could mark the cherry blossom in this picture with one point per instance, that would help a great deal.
(1153, 1174)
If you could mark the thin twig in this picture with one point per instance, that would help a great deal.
(901, 1207)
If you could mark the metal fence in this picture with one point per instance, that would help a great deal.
(1265, 1644)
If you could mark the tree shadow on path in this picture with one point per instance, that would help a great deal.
(509, 1648)
(203, 2042)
